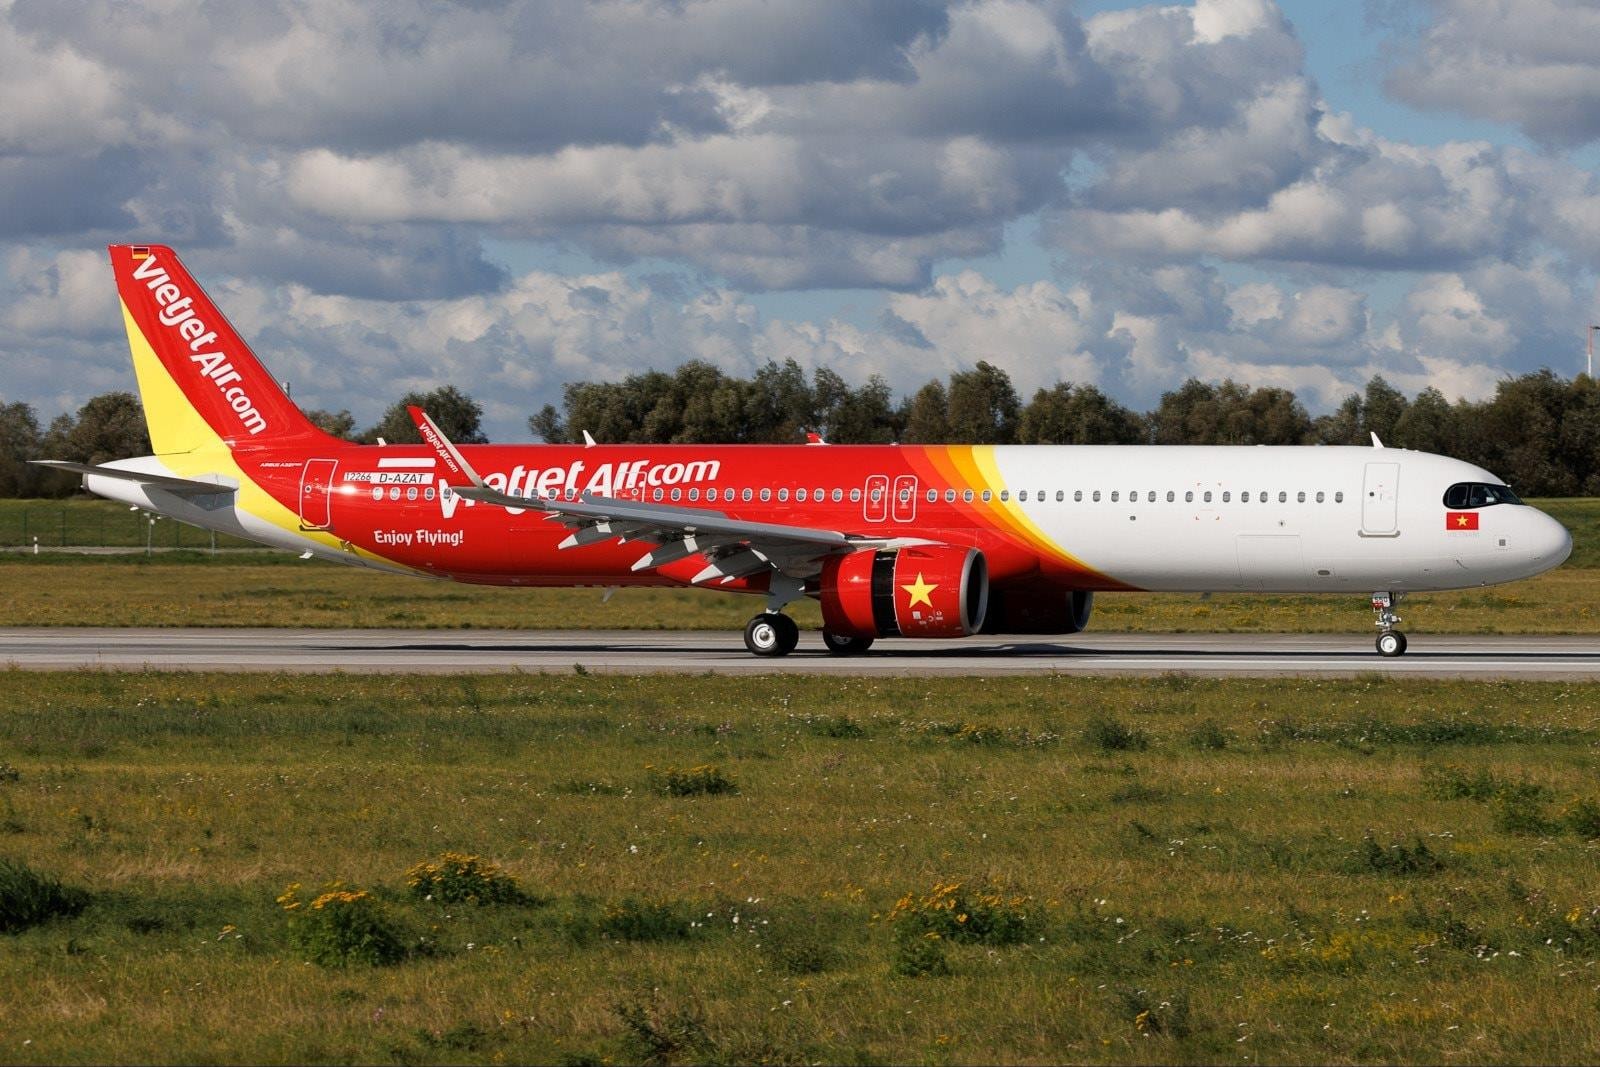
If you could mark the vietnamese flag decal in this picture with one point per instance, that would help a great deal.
(1461, 520)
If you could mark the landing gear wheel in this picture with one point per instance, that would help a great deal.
(844, 644)
(1391, 642)
(771, 634)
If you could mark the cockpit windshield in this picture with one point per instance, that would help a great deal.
(1466, 495)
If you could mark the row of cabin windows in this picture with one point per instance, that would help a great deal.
(967, 495)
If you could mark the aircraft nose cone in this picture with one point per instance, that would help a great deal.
(1551, 543)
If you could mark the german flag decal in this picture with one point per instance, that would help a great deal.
(1461, 520)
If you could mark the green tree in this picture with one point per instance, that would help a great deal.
(1077, 415)
(454, 412)
(110, 426)
(1428, 425)
(338, 423)
(547, 425)
(19, 442)
(864, 416)
(1382, 408)
(983, 407)
(926, 416)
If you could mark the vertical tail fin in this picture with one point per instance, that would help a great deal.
(199, 382)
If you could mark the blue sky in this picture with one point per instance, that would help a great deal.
(510, 197)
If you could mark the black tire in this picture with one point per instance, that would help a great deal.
(844, 644)
(788, 633)
(1391, 643)
(771, 634)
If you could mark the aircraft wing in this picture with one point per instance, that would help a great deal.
(180, 486)
(733, 548)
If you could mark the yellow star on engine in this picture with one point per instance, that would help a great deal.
(919, 591)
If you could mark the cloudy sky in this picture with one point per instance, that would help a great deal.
(508, 197)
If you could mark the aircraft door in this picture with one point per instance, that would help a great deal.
(875, 504)
(1380, 500)
(905, 498)
(316, 494)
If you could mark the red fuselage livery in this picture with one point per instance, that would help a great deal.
(916, 541)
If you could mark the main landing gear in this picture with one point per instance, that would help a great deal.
(771, 633)
(844, 644)
(1391, 642)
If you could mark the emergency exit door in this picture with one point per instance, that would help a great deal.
(316, 494)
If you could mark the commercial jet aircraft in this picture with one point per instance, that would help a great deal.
(929, 541)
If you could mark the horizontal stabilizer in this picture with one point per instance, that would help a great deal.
(181, 486)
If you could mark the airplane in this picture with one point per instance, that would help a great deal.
(916, 541)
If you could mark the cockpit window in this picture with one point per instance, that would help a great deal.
(1466, 495)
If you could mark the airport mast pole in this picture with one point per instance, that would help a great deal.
(1592, 329)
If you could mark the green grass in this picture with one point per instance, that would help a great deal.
(1284, 871)
(59, 591)
(80, 521)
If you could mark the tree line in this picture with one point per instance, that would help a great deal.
(1539, 431)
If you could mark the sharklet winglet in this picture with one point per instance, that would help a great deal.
(454, 462)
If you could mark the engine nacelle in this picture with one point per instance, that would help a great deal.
(922, 591)
(1038, 610)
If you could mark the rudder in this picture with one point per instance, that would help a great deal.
(199, 382)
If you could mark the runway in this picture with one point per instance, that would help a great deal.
(684, 652)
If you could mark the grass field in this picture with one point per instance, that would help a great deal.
(1149, 870)
(63, 591)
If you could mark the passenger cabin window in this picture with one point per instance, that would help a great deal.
(933, 496)
(1319, 496)
(1465, 495)
(949, 496)
(966, 496)
(1225, 496)
(855, 496)
(694, 494)
(783, 496)
(1061, 496)
(987, 496)
(1244, 497)
(1338, 498)
(1022, 496)
(766, 495)
(1077, 496)
(1005, 494)
(838, 495)
(1188, 497)
(1171, 496)
(800, 496)
(1097, 496)
(1113, 496)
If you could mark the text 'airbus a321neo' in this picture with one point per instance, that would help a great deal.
(913, 540)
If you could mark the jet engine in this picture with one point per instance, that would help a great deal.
(921, 591)
(1038, 610)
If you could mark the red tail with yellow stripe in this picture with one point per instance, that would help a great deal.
(201, 385)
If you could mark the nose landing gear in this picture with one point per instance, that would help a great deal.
(1391, 642)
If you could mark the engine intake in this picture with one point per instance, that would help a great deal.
(922, 591)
